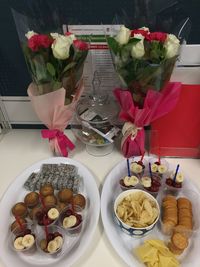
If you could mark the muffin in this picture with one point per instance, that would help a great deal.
(46, 190)
(20, 210)
(61, 205)
(15, 224)
(31, 199)
(34, 211)
(65, 195)
(79, 200)
(50, 200)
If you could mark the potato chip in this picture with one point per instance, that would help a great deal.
(156, 253)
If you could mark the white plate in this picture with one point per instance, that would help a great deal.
(15, 193)
(123, 243)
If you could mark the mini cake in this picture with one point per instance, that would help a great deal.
(53, 243)
(151, 185)
(20, 210)
(159, 168)
(65, 195)
(31, 199)
(70, 219)
(79, 200)
(16, 225)
(137, 167)
(129, 182)
(50, 200)
(47, 190)
(178, 181)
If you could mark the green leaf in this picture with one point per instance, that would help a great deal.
(69, 66)
(41, 73)
(51, 69)
(133, 40)
(113, 44)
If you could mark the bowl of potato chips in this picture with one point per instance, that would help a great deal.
(136, 212)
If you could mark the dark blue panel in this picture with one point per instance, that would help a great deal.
(166, 15)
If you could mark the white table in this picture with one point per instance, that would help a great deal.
(21, 148)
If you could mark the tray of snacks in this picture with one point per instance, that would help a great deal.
(149, 210)
(50, 212)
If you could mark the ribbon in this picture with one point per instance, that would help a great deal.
(130, 128)
(63, 141)
(130, 132)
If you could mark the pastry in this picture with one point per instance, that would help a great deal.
(61, 205)
(50, 200)
(34, 211)
(31, 199)
(15, 224)
(47, 190)
(174, 249)
(65, 195)
(79, 200)
(53, 243)
(169, 214)
(179, 241)
(20, 210)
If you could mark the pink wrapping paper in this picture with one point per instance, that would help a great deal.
(156, 105)
(52, 111)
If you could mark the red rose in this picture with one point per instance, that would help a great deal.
(39, 40)
(33, 42)
(80, 45)
(68, 33)
(157, 36)
(138, 31)
(44, 40)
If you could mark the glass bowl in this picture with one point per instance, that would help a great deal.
(52, 244)
(71, 219)
(159, 171)
(127, 187)
(44, 214)
(92, 124)
(155, 185)
(22, 240)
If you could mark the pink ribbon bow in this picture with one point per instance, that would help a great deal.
(62, 140)
(156, 105)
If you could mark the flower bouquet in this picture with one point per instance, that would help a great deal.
(144, 61)
(56, 64)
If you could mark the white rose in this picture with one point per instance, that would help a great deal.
(137, 50)
(172, 45)
(71, 37)
(123, 35)
(29, 34)
(144, 29)
(61, 46)
(54, 35)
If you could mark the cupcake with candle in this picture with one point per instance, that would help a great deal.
(151, 182)
(175, 180)
(128, 181)
(159, 167)
(138, 167)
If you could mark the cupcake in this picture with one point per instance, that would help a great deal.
(151, 185)
(129, 182)
(159, 167)
(175, 184)
(137, 167)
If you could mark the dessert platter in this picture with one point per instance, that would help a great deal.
(50, 212)
(149, 210)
